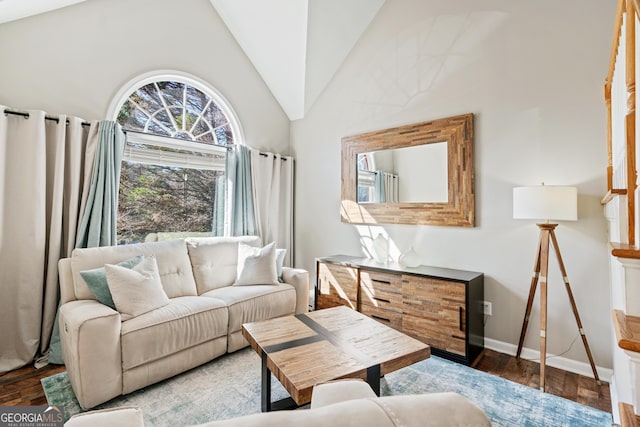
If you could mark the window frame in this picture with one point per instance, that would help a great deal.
(178, 76)
(182, 159)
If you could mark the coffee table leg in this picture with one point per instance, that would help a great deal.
(373, 378)
(265, 393)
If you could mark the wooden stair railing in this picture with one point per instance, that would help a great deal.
(629, 183)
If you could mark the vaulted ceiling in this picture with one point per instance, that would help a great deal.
(295, 45)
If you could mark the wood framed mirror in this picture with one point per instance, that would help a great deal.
(372, 194)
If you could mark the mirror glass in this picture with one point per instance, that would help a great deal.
(415, 174)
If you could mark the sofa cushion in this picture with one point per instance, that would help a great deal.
(96, 280)
(256, 266)
(215, 260)
(257, 302)
(172, 257)
(331, 392)
(183, 323)
(136, 290)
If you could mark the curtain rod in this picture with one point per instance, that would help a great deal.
(46, 117)
(57, 120)
(230, 147)
(284, 159)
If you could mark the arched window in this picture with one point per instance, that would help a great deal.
(177, 129)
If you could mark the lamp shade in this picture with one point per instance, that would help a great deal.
(546, 202)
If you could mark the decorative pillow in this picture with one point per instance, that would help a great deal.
(257, 266)
(137, 290)
(280, 253)
(96, 280)
(214, 260)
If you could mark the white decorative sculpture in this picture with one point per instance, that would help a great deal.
(410, 258)
(380, 249)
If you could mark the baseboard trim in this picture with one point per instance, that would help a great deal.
(613, 391)
(559, 362)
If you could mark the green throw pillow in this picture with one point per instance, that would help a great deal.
(96, 281)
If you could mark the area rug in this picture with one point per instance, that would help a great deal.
(229, 387)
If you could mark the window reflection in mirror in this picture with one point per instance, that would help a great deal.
(416, 174)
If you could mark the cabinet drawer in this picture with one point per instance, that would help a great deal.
(382, 290)
(432, 296)
(433, 332)
(435, 312)
(337, 285)
(390, 318)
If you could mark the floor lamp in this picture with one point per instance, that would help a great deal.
(547, 202)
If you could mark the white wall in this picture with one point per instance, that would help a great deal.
(532, 73)
(74, 60)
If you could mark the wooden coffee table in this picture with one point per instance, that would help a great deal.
(324, 345)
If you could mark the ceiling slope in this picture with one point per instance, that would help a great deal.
(297, 45)
(10, 10)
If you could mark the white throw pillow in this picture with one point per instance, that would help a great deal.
(257, 266)
(137, 290)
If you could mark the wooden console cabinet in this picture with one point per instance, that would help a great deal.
(439, 306)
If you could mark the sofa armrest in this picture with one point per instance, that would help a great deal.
(445, 409)
(423, 410)
(299, 279)
(339, 391)
(66, 281)
(129, 416)
(90, 339)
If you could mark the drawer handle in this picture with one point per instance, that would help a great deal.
(384, 319)
(381, 299)
(386, 282)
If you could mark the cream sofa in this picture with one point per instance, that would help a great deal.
(341, 403)
(106, 356)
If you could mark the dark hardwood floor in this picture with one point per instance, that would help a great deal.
(22, 386)
(561, 383)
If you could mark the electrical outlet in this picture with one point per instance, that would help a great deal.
(486, 308)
